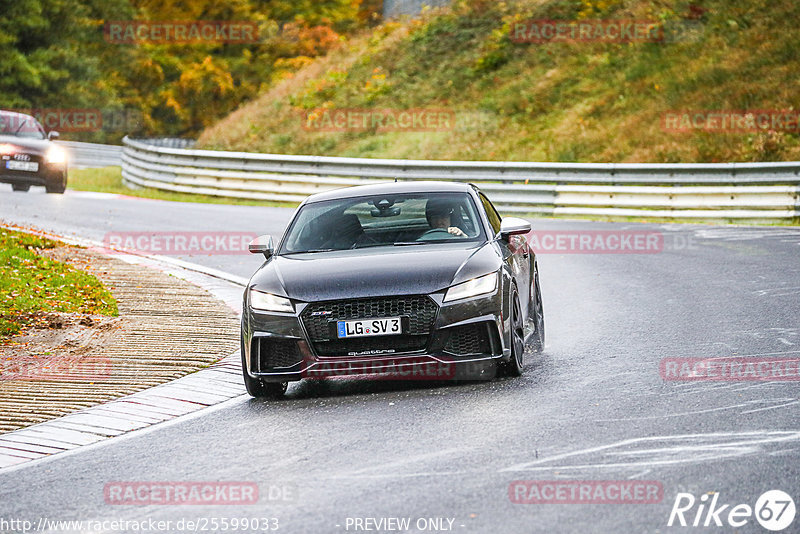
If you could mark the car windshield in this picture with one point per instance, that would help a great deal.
(383, 220)
(19, 125)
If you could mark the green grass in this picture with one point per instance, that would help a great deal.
(109, 180)
(32, 285)
(581, 102)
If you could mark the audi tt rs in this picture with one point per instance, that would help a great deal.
(410, 280)
(27, 155)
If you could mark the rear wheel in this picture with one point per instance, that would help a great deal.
(260, 389)
(21, 188)
(57, 186)
(515, 364)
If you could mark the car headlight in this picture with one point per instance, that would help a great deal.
(56, 155)
(483, 285)
(269, 302)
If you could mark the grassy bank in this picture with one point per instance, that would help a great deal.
(32, 285)
(521, 101)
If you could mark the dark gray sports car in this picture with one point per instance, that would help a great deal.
(27, 155)
(407, 280)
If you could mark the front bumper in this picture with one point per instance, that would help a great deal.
(459, 338)
(47, 173)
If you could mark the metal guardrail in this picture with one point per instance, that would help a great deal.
(92, 155)
(703, 191)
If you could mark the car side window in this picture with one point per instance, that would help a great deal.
(494, 217)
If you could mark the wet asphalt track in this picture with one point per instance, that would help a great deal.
(593, 406)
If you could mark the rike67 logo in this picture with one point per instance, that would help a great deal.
(774, 510)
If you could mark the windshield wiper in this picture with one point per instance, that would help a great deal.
(312, 251)
(412, 243)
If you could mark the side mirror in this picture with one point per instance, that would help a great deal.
(514, 226)
(262, 245)
(53, 135)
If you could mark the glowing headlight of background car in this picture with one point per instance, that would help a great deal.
(56, 154)
(483, 285)
(269, 302)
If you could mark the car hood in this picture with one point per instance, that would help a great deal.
(376, 271)
(30, 146)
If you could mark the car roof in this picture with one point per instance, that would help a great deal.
(15, 113)
(392, 188)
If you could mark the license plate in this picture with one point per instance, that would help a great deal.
(386, 326)
(29, 166)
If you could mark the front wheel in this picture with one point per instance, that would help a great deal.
(538, 315)
(21, 188)
(515, 364)
(258, 388)
(57, 186)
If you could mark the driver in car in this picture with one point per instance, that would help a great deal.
(439, 214)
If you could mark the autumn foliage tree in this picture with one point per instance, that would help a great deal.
(53, 54)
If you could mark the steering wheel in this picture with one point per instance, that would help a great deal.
(440, 233)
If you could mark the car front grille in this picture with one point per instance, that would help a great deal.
(468, 339)
(419, 310)
(276, 353)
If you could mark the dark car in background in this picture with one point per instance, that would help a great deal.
(381, 278)
(28, 156)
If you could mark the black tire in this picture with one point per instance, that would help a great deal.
(515, 364)
(57, 187)
(258, 388)
(537, 342)
(21, 188)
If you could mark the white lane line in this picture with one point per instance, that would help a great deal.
(637, 475)
(697, 412)
(688, 448)
(770, 408)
